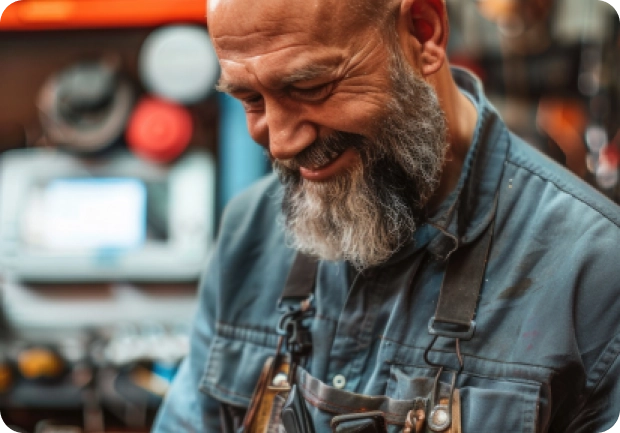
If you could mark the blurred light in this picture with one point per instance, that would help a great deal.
(592, 162)
(46, 11)
(511, 26)
(607, 176)
(588, 83)
(596, 138)
(179, 63)
(159, 130)
(607, 171)
(81, 14)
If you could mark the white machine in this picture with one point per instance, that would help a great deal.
(64, 219)
(97, 243)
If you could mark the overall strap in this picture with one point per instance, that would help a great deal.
(301, 279)
(454, 318)
(460, 289)
(458, 297)
(296, 307)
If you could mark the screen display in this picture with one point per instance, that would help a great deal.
(87, 214)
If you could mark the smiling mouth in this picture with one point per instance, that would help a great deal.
(335, 166)
(327, 160)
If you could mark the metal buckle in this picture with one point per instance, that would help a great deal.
(298, 339)
(440, 417)
(461, 335)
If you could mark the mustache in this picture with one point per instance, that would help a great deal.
(322, 151)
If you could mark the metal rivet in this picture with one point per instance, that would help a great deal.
(439, 418)
(280, 379)
(339, 381)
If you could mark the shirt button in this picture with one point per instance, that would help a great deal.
(339, 381)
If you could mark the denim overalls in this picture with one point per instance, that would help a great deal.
(544, 355)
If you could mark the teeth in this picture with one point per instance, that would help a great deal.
(331, 158)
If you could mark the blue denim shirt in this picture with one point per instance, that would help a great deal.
(544, 357)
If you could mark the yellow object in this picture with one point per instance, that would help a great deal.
(38, 363)
(6, 377)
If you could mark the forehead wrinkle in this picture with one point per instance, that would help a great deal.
(252, 46)
(298, 64)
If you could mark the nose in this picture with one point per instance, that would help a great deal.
(289, 131)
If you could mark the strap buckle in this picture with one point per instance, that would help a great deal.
(298, 338)
(461, 335)
(440, 417)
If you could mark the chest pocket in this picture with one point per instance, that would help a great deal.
(487, 404)
(233, 368)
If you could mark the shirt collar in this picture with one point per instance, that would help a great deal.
(470, 207)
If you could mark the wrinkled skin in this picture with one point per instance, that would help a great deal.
(307, 72)
(263, 49)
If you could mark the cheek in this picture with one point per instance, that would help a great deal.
(360, 115)
(257, 127)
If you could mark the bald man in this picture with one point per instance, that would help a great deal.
(414, 265)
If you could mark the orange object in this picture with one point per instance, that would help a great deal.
(159, 130)
(39, 363)
(6, 377)
(84, 14)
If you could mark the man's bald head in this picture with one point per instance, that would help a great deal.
(326, 19)
(417, 28)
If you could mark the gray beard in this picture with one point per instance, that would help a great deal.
(368, 213)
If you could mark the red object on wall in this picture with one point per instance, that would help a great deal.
(159, 130)
(85, 14)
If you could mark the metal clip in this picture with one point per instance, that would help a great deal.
(440, 417)
(298, 338)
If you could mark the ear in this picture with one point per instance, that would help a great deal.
(426, 23)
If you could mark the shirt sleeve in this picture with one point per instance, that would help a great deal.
(186, 408)
(246, 227)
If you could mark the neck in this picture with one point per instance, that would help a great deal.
(461, 117)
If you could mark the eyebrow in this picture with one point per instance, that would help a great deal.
(306, 73)
(226, 87)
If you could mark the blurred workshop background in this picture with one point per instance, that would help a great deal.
(117, 158)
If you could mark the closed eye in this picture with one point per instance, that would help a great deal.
(311, 94)
(251, 103)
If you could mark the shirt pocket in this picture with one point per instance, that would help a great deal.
(487, 403)
(233, 369)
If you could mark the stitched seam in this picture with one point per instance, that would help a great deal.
(495, 361)
(256, 336)
(560, 188)
(263, 329)
(227, 391)
(482, 376)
